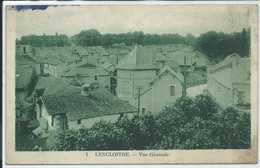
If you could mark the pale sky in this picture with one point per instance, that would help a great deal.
(152, 19)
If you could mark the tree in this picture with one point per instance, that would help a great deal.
(90, 37)
(219, 45)
(192, 123)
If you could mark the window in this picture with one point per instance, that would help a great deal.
(46, 66)
(248, 76)
(40, 109)
(172, 90)
(95, 77)
(52, 120)
(79, 121)
(143, 110)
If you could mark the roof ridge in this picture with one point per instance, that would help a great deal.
(166, 67)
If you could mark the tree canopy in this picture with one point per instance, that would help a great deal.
(219, 45)
(61, 40)
(216, 45)
(190, 124)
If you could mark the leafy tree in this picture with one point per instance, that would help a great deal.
(192, 123)
(219, 45)
(234, 128)
(90, 37)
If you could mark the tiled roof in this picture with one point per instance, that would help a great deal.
(137, 59)
(180, 56)
(24, 59)
(52, 60)
(86, 69)
(159, 57)
(97, 49)
(52, 84)
(99, 103)
(22, 77)
(63, 53)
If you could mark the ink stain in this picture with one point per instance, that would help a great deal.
(31, 7)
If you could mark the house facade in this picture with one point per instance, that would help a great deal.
(162, 92)
(23, 49)
(229, 81)
(136, 73)
(48, 67)
(78, 107)
(86, 72)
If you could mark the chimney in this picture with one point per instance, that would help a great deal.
(85, 90)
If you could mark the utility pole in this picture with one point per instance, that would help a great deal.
(138, 101)
(185, 75)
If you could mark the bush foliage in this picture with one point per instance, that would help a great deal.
(190, 124)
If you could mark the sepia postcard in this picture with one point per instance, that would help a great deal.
(137, 83)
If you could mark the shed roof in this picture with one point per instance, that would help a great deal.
(99, 103)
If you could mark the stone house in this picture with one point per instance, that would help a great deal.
(23, 49)
(49, 66)
(137, 70)
(25, 80)
(229, 81)
(77, 107)
(86, 72)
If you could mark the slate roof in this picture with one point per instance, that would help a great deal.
(99, 103)
(22, 77)
(137, 59)
(52, 84)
